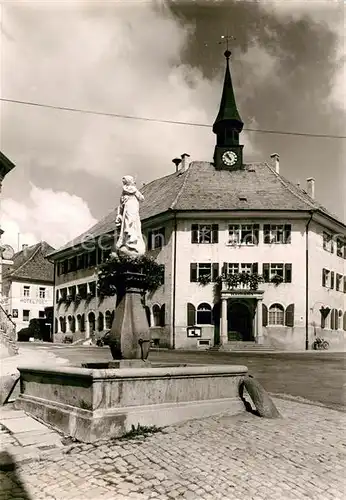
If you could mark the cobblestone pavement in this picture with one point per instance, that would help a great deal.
(301, 456)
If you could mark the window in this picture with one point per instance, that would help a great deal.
(82, 290)
(344, 321)
(244, 267)
(26, 291)
(344, 284)
(338, 282)
(243, 234)
(156, 314)
(108, 320)
(276, 315)
(339, 247)
(328, 242)
(72, 292)
(327, 278)
(232, 268)
(26, 314)
(156, 238)
(41, 314)
(203, 270)
(42, 292)
(72, 264)
(282, 271)
(80, 261)
(277, 233)
(14, 313)
(204, 233)
(204, 316)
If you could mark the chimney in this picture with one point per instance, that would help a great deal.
(275, 162)
(310, 187)
(24, 247)
(176, 162)
(184, 157)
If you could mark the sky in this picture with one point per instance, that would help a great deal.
(160, 60)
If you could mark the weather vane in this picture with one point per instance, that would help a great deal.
(226, 39)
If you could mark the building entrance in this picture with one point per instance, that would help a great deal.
(240, 321)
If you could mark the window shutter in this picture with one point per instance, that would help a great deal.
(332, 320)
(150, 240)
(323, 277)
(289, 315)
(224, 269)
(194, 233)
(215, 233)
(288, 273)
(256, 234)
(266, 233)
(266, 273)
(255, 268)
(214, 271)
(163, 315)
(147, 312)
(193, 273)
(191, 314)
(264, 315)
(332, 280)
(287, 233)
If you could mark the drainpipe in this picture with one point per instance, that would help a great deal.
(54, 301)
(307, 281)
(174, 278)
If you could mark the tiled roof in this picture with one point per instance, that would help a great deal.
(201, 187)
(32, 264)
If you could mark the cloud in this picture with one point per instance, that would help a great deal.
(111, 57)
(54, 217)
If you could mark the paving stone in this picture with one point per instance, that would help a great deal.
(224, 457)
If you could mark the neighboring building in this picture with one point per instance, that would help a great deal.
(209, 218)
(29, 283)
(7, 327)
(5, 258)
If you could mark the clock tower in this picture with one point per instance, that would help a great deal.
(228, 154)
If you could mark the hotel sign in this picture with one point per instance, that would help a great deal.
(35, 301)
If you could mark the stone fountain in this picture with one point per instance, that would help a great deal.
(91, 403)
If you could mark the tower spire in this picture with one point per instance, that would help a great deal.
(228, 125)
(228, 111)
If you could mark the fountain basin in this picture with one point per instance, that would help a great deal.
(92, 404)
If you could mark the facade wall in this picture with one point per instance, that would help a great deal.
(285, 294)
(19, 301)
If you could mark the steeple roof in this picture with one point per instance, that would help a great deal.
(228, 109)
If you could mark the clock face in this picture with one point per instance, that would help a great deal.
(229, 158)
(7, 252)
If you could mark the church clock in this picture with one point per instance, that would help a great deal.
(228, 154)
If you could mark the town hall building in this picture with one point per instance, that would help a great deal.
(208, 220)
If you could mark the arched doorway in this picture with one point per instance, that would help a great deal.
(240, 322)
(91, 320)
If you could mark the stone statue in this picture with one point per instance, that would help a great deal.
(130, 240)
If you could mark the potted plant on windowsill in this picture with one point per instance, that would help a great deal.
(69, 299)
(277, 279)
(77, 299)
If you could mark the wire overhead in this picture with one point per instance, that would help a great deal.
(156, 120)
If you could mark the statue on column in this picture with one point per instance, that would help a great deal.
(130, 240)
(130, 335)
